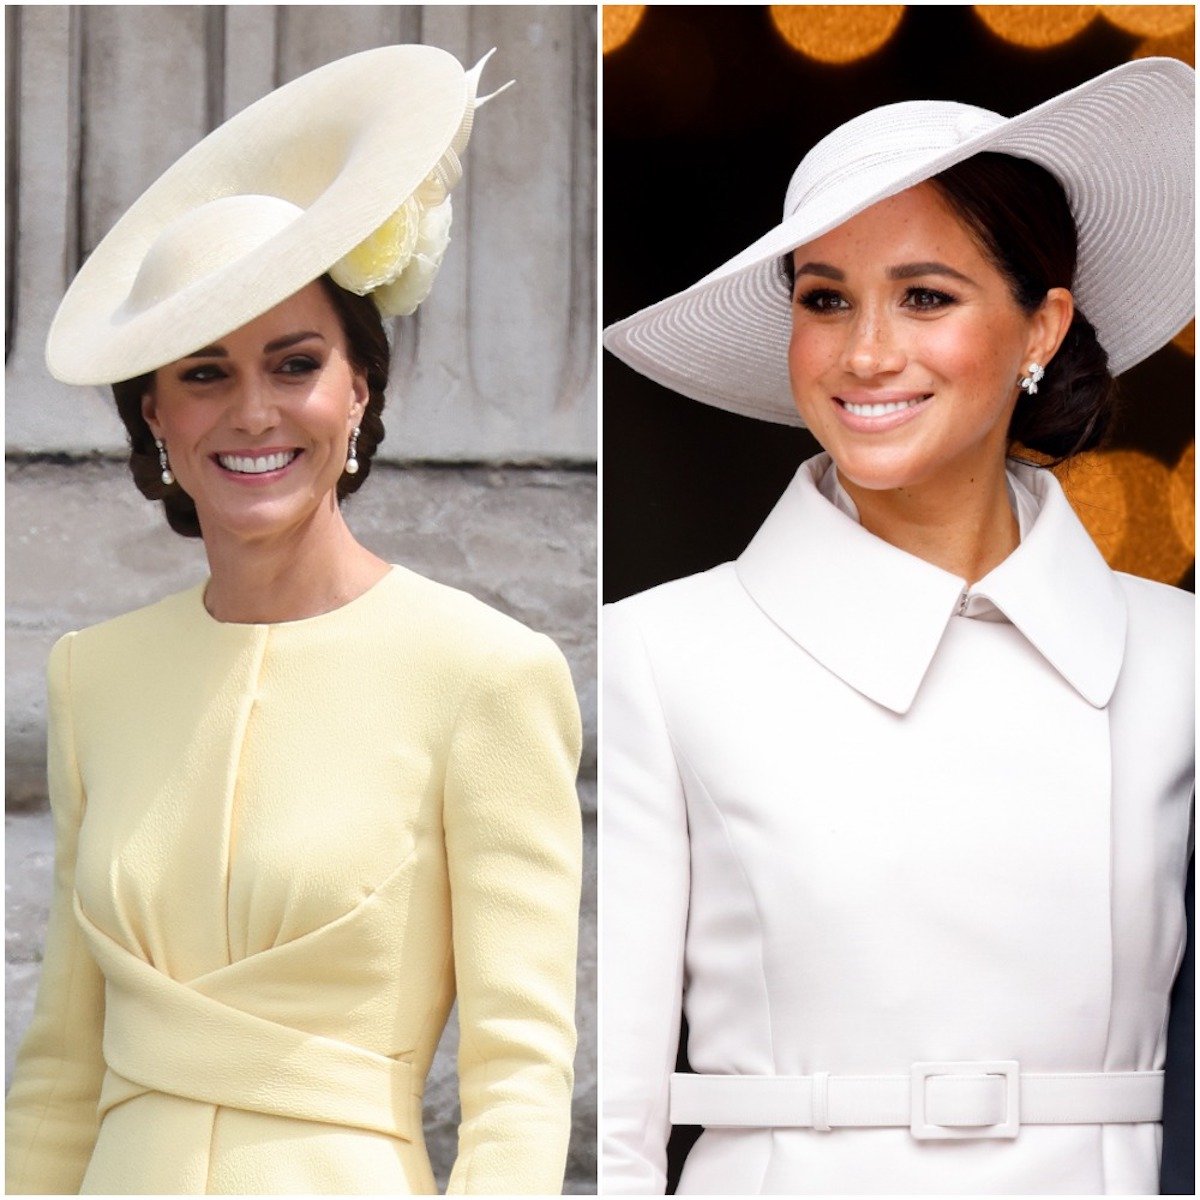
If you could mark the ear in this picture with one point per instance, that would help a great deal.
(1050, 325)
(360, 394)
(150, 410)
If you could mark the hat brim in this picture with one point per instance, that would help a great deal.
(1122, 145)
(346, 143)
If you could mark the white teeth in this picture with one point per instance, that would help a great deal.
(244, 465)
(879, 410)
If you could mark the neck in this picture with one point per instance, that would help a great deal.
(961, 522)
(304, 572)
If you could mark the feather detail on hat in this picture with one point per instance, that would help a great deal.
(397, 264)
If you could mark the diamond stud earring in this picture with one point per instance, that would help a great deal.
(1029, 381)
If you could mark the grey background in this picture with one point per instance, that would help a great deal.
(487, 478)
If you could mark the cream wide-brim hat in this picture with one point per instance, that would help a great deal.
(264, 205)
(1122, 146)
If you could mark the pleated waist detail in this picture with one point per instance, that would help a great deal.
(161, 1035)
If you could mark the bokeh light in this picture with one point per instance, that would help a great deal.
(1036, 25)
(620, 22)
(1126, 501)
(1150, 20)
(836, 33)
(1180, 45)
(1098, 498)
(1182, 495)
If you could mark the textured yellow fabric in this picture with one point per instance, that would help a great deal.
(278, 847)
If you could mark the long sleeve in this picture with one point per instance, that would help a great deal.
(513, 846)
(51, 1120)
(645, 884)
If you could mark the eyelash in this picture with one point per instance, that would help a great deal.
(815, 300)
(201, 374)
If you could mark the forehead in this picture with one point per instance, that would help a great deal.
(308, 310)
(915, 224)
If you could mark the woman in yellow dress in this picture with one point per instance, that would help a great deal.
(300, 807)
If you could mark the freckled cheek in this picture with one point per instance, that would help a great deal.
(961, 354)
(811, 356)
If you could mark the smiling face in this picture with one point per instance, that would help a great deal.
(256, 425)
(907, 344)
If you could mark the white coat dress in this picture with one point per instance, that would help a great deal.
(859, 816)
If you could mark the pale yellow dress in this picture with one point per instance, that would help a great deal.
(278, 849)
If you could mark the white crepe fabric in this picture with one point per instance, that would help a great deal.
(847, 830)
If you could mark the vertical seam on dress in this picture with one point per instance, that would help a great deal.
(1112, 934)
(762, 956)
(248, 705)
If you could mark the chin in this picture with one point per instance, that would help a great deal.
(252, 522)
(879, 470)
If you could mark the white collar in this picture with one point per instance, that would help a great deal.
(1022, 501)
(874, 615)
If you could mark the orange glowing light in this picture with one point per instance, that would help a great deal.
(1036, 25)
(620, 22)
(1098, 498)
(1182, 495)
(1185, 339)
(1123, 498)
(1180, 45)
(836, 33)
(1150, 20)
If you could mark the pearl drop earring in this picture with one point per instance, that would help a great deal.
(167, 476)
(352, 456)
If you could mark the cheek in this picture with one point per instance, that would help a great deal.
(969, 353)
(811, 354)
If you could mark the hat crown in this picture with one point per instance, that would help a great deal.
(883, 144)
(202, 241)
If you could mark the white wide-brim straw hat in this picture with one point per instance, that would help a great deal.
(1121, 145)
(264, 205)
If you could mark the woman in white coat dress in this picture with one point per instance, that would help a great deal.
(896, 806)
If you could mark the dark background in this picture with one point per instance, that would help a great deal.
(707, 112)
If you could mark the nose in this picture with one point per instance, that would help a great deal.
(252, 406)
(873, 345)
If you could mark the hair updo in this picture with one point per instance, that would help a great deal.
(1019, 215)
(368, 352)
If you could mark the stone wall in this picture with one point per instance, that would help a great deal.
(486, 480)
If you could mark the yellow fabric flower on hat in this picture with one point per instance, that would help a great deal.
(401, 297)
(381, 257)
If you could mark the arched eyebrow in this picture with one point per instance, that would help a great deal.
(822, 269)
(901, 271)
(912, 270)
(280, 343)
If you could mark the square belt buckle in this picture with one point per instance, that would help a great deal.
(1008, 1128)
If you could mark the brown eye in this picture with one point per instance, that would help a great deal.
(927, 298)
(202, 374)
(299, 364)
(823, 300)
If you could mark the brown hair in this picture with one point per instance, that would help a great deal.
(368, 350)
(1018, 213)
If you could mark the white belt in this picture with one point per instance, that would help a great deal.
(935, 1099)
